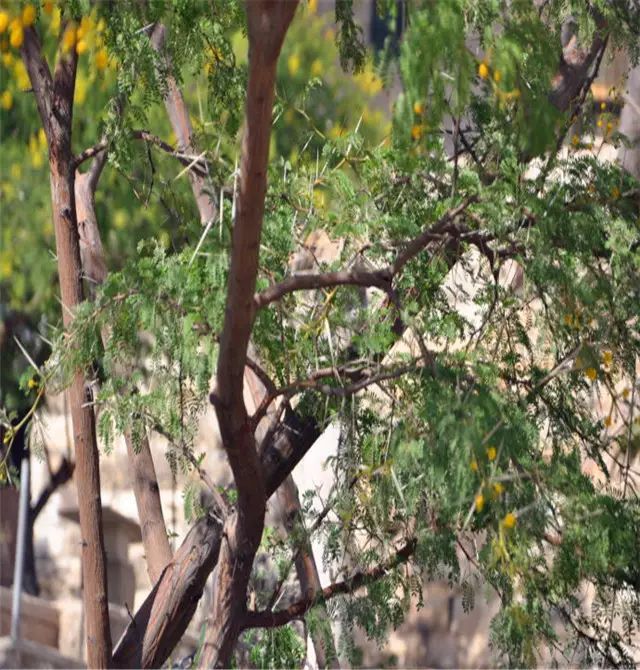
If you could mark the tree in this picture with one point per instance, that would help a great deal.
(446, 449)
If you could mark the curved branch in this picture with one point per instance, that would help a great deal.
(266, 619)
(382, 278)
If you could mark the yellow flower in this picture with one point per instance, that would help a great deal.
(607, 357)
(56, 20)
(16, 38)
(625, 393)
(293, 64)
(69, 39)
(600, 123)
(479, 502)
(6, 100)
(4, 20)
(313, 6)
(42, 137)
(6, 266)
(575, 140)
(7, 59)
(48, 7)
(317, 68)
(416, 132)
(609, 127)
(603, 106)
(615, 192)
(509, 520)
(498, 489)
(81, 47)
(474, 465)
(591, 373)
(28, 15)
(120, 219)
(33, 383)
(85, 27)
(418, 108)
(483, 70)
(568, 319)
(491, 453)
(102, 59)
(608, 421)
(497, 76)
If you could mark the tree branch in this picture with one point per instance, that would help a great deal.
(382, 278)
(266, 619)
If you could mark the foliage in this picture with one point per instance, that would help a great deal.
(479, 450)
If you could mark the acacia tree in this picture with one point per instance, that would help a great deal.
(475, 450)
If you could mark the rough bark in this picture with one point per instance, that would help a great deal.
(147, 644)
(143, 474)
(54, 99)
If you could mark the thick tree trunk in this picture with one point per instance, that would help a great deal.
(163, 618)
(54, 98)
(268, 21)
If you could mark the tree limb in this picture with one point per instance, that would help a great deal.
(267, 619)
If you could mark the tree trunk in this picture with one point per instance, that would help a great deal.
(54, 98)
(143, 473)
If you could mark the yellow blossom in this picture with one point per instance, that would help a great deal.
(69, 38)
(608, 421)
(313, 6)
(483, 70)
(418, 108)
(498, 489)
(6, 100)
(575, 140)
(607, 357)
(56, 20)
(85, 27)
(81, 47)
(6, 266)
(42, 137)
(48, 7)
(416, 132)
(16, 38)
(33, 383)
(4, 20)
(591, 373)
(317, 68)
(120, 219)
(509, 520)
(491, 453)
(28, 15)
(102, 59)
(479, 502)
(609, 127)
(625, 393)
(568, 319)
(600, 123)
(474, 465)
(603, 106)
(497, 76)
(615, 192)
(293, 64)
(7, 59)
